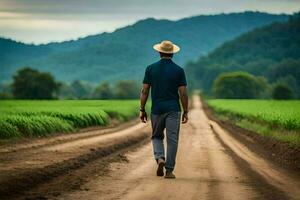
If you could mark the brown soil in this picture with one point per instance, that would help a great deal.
(26, 165)
(282, 153)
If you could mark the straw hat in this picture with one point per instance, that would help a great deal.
(166, 47)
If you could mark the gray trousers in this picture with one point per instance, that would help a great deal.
(171, 122)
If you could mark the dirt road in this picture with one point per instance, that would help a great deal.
(210, 165)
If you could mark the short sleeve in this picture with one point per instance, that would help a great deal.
(147, 79)
(182, 79)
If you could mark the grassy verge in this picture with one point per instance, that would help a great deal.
(279, 120)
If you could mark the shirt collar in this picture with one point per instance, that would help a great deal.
(169, 58)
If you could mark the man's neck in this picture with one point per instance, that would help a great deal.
(165, 58)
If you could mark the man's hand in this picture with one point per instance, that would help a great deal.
(184, 102)
(144, 96)
(143, 116)
(185, 117)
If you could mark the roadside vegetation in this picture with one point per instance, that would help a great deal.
(19, 118)
(271, 118)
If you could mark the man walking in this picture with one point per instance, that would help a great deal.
(166, 79)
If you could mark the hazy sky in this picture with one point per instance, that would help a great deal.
(42, 21)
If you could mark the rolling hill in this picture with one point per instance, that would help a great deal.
(272, 51)
(124, 53)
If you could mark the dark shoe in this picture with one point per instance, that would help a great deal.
(160, 167)
(170, 174)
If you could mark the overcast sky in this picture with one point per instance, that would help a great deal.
(42, 21)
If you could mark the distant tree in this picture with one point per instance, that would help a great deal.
(282, 91)
(6, 87)
(103, 91)
(32, 84)
(238, 85)
(288, 72)
(291, 82)
(126, 89)
(6, 95)
(6, 90)
(82, 89)
(66, 91)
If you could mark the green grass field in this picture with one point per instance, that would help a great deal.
(276, 119)
(37, 118)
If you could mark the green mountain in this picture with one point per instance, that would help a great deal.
(272, 51)
(124, 53)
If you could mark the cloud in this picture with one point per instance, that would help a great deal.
(140, 6)
(39, 20)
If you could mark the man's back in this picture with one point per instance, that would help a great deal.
(164, 77)
(166, 80)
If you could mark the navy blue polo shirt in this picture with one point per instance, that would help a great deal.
(164, 78)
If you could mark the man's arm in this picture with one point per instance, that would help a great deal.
(143, 98)
(184, 102)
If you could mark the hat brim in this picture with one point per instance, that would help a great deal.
(157, 47)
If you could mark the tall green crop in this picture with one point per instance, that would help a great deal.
(37, 118)
(284, 114)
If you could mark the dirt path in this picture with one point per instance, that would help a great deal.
(210, 165)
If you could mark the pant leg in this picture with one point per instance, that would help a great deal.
(158, 126)
(172, 132)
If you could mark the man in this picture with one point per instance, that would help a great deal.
(166, 79)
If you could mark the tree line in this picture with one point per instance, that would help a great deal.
(243, 85)
(32, 84)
